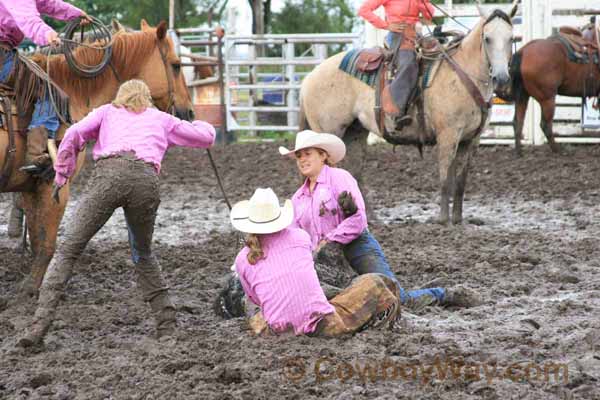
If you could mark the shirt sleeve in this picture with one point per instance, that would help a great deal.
(426, 9)
(197, 134)
(28, 19)
(59, 10)
(350, 228)
(240, 268)
(74, 141)
(367, 9)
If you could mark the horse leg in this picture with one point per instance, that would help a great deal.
(461, 165)
(15, 220)
(518, 120)
(43, 219)
(548, 107)
(446, 157)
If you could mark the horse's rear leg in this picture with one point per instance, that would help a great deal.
(43, 219)
(518, 120)
(447, 167)
(548, 107)
(462, 163)
(15, 219)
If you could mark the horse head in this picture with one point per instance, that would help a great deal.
(162, 73)
(497, 38)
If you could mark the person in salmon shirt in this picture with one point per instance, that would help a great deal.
(401, 17)
(277, 273)
(18, 19)
(131, 139)
(330, 208)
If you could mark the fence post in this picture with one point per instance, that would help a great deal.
(252, 78)
(290, 75)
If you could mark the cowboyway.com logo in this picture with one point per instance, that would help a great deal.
(323, 369)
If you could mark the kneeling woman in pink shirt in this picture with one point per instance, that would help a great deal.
(131, 139)
(277, 273)
(330, 207)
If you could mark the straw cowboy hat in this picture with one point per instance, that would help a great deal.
(333, 145)
(262, 213)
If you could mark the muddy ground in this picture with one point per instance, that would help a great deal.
(529, 246)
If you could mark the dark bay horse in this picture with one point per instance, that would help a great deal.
(541, 69)
(148, 55)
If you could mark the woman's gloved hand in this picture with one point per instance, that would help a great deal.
(347, 204)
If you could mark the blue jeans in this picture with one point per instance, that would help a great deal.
(43, 112)
(365, 256)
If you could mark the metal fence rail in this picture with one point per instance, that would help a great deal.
(259, 65)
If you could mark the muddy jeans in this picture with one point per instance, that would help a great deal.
(355, 308)
(119, 181)
(43, 113)
(365, 255)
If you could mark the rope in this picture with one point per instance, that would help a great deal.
(214, 166)
(99, 32)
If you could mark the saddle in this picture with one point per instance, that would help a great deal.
(579, 49)
(370, 60)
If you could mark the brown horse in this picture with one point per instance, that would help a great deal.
(148, 55)
(335, 102)
(541, 69)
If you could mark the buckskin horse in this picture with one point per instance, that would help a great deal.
(544, 68)
(453, 115)
(148, 55)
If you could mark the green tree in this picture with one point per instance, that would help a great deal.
(130, 13)
(313, 16)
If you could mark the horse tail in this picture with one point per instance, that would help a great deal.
(517, 88)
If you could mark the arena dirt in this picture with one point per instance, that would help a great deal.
(529, 246)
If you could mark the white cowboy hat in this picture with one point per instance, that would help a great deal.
(333, 145)
(262, 213)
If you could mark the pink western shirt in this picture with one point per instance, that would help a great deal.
(116, 130)
(20, 18)
(396, 11)
(319, 214)
(284, 283)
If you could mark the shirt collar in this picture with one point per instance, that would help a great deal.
(321, 179)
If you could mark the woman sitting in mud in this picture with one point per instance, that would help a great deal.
(277, 273)
(131, 139)
(330, 207)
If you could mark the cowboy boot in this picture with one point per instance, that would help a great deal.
(462, 297)
(165, 315)
(35, 333)
(36, 157)
(15, 222)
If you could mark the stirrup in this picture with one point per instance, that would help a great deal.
(31, 169)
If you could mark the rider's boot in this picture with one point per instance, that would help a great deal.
(36, 158)
(392, 111)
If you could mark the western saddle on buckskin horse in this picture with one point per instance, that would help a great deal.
(373, 66)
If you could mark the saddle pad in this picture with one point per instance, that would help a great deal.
(349, 66)
(429, 69)
(572, 53)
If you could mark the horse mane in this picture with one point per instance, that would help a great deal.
(128, 52)
(497, 13)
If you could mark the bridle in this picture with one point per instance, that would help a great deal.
(170, 87)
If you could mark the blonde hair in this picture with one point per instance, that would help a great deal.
(133, 95)
(327, 161)
(256, 251)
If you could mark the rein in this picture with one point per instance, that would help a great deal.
(171, 110)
